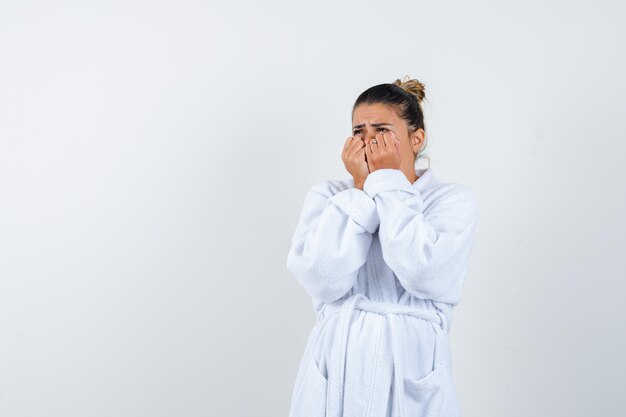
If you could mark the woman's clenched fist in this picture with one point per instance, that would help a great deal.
(353, 157)
(385, 153)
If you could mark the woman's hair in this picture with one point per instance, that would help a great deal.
(405, 98)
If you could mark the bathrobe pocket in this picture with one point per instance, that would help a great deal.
(311, 398)
(424, 396)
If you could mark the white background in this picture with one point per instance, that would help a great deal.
(154, 158)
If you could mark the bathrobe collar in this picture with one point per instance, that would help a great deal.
(426, 177)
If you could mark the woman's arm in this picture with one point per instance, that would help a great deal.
(331, 240)
(426, 244)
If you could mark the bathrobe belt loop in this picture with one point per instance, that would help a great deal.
(337, 361)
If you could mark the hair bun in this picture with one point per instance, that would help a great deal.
(412, 86)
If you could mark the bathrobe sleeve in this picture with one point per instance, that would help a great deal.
(426, 244)
(332, 239)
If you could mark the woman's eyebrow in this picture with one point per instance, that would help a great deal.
(373, 124)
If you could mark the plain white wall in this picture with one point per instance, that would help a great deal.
(154, 158)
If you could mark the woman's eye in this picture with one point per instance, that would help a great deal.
(357, 132)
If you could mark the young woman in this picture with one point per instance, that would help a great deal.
(384, 256)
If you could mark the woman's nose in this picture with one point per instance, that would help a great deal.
(368, 137)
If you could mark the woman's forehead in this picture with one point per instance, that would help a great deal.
(374, 113)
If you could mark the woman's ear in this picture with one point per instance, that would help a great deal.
(417, 139)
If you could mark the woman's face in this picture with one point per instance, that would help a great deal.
(368, 120)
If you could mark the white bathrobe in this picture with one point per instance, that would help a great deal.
(384, 267)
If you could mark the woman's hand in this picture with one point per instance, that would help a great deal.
(353, 157)
(385, 153)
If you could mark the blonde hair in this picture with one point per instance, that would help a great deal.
(412, 86)
(418, 90)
